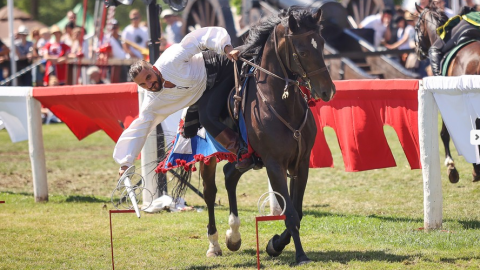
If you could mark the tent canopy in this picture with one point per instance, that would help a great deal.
(19, 18)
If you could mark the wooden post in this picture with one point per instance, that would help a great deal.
(36, 149)
(430, 159)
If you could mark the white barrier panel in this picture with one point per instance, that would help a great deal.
(13, 111)
(458, 99)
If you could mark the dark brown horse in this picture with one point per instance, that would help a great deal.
(466, 61)
(281, 127)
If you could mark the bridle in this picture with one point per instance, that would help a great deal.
(422, 33)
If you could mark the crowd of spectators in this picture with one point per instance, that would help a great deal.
(56, 46)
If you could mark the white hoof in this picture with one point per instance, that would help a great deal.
(233, 239)
(214, 249)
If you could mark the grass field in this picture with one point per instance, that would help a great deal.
(366, 220)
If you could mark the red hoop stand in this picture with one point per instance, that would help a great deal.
(111, 237)
(257, 219)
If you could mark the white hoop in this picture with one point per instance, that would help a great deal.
(261, 207)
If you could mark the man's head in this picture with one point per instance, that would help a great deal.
(71, 16)
(168, 16)
(135, 17)
(387, 15)
(146, 76)
(93, 73)
(56, 32)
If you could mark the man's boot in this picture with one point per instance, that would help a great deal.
(435, 56)
(232, 142)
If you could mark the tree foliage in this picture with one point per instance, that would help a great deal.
(52, 11)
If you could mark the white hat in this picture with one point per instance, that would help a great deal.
(92, 70)
(22, 30)
(166, 12)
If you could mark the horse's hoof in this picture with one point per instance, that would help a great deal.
(232, 246)
(211, 254)
(307, 261)
(270, 250)
(453, 175)
(476, 178)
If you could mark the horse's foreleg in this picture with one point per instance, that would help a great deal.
(452, 172)
(278, 181)
(209, 193)
(233, 238)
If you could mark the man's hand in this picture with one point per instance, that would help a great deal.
(231, 53)
(122, 170)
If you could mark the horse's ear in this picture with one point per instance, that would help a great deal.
(418, 8)
(318, 16)
(292, 23)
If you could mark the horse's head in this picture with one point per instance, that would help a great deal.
(430, 18)
(302, 50)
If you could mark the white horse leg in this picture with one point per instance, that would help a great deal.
(233, 238)
(214, 249)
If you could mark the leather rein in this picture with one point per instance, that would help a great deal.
(297, 133)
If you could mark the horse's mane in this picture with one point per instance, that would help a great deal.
(259, 33)
(439, 16)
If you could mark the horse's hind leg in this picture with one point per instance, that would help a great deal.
(233, 238)
(476, 167)
(209, 193)
(452, 172)
(277, 175)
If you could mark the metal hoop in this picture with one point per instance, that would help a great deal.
(261, 207)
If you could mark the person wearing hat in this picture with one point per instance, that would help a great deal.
(94, 75)
(55, 52)
(173, 30)
(23, 55)
(134, 34)
(196, 73)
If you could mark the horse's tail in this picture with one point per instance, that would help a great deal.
(183, 182)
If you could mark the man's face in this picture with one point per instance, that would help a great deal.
(135, 19)
(72, 16)
(149, 80)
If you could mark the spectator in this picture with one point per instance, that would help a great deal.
(56, 55)
(134, 34)
(441, 5)
(4, 51)
(380, 24)
(94, 75)
(72, 17)
(404, 33)
(75, 48)
(24, 54)
(44, 38)
(471, 4)
(163, 45)
(67, 37)
(173, 30)
(115, 42)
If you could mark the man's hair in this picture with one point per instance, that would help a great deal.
(387, 11)
(134, 11)
(137, 67)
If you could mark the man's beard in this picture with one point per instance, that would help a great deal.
(158, 82)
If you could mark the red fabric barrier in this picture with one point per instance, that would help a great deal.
(357, 113)
(89, 108)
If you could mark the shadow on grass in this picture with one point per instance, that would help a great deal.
(343, 257)
(17, 193)
(469, 224)
(89, 199)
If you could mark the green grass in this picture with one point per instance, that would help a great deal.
(365, 220)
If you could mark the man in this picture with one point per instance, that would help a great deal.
(184, 76)
(56, 55)
(380, 23)
(133, 33)
(23, 49)
(94, 75)
(173, 30)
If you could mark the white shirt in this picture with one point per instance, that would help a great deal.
(136, 35)
(181, 64)
(408, 30)
(375, 22)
